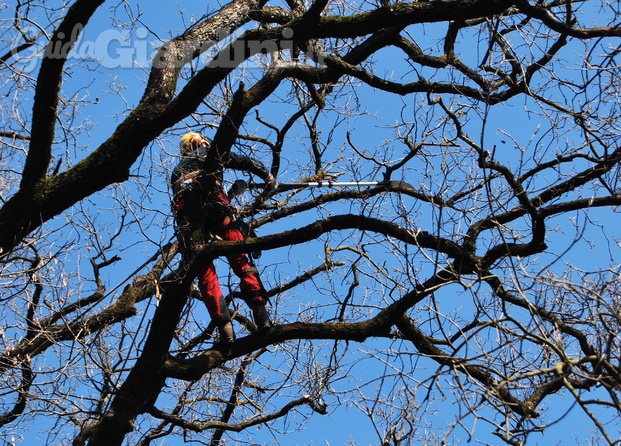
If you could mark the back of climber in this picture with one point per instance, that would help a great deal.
(203, 211)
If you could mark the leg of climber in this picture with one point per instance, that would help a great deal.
(261, 317)
(252, 289)
(212, 295)
(225, 326)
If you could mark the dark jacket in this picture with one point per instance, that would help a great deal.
(189, 168)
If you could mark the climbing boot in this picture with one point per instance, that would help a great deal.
(227, 336)
(261, 318)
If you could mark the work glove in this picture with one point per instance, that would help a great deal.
(237, 188)
(270, 184)
(186, 186)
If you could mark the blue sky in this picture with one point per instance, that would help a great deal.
(103, 111)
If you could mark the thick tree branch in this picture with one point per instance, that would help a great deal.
(550, 21)
(47, 92)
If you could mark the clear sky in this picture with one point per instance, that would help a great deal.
(120, 59)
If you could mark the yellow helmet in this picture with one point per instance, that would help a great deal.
(192, 141)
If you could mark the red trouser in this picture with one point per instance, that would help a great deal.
(192, 214)
(251, 287)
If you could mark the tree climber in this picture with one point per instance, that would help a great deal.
(203, 211)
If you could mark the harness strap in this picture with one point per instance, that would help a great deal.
(251, 270)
